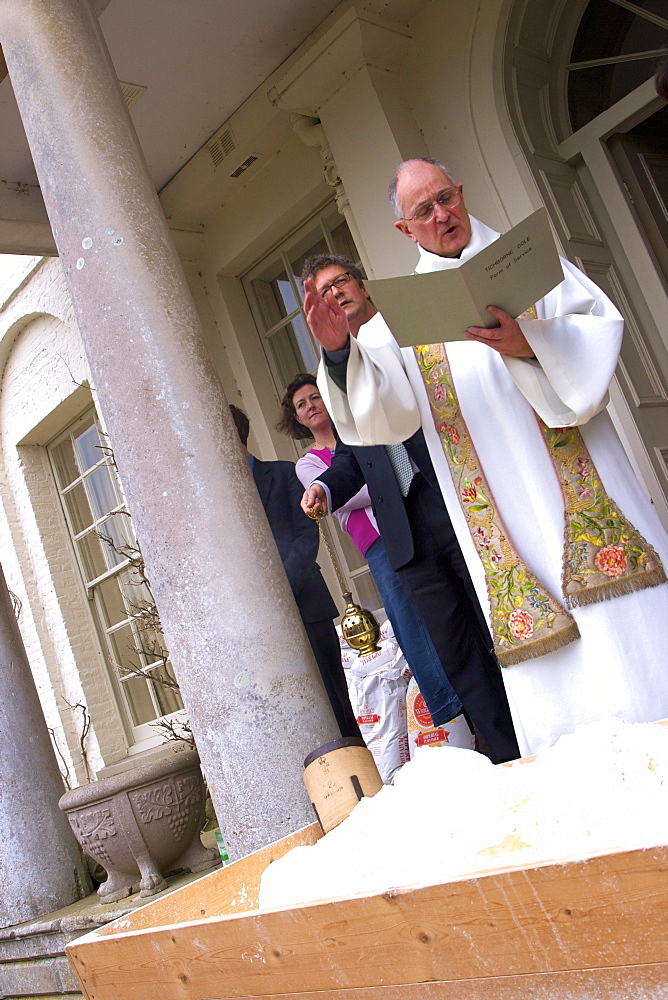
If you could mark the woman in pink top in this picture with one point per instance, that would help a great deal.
(356, 516)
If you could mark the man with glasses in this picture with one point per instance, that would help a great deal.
(421, 546)
(556, 532)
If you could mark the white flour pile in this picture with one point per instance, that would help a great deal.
(451, 813)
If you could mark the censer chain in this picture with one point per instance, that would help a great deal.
(339, 576)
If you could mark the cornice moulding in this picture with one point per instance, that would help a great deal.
(356, 40)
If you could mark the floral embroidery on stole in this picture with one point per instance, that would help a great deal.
(526, 621)
(604, 555)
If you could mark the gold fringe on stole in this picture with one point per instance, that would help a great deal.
(604, 555)
(546, 643)
(610, 589)
(526, 621)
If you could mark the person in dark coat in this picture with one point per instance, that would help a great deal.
(297, 539)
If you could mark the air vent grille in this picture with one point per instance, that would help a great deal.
(221, 146)
(131, 92)
(244, 166)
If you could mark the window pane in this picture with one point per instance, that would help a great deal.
(308, 247)
(591, 91)
(607, 29)
(65, 463)
(91, 555)
(343, 241)
(124, 650)
(123, 545)
(111, 601)
(78, 508)
(292, 351)
(108, 547)
(88, 446)
(165, 691)
(137, 594)
(274, 296)
(149, 637)
(102, 491)
(310, 356)
(140, 703)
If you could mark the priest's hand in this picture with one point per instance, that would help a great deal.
(506, 338)
(314, 496)
(325, 317)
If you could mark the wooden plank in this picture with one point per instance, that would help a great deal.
(583, 915)
(229, 890)
(642, 982)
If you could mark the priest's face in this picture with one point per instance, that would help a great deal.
(434, 212)
(335, 282)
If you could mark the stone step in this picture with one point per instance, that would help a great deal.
(45, 996)
(40, 977)
(33, 962)
(33, 965)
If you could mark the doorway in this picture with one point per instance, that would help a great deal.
(593, 131)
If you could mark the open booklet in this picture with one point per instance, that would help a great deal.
(512, 273)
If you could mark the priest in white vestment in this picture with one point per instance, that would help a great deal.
(557, 366)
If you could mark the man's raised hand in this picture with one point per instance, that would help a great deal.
(325, 317)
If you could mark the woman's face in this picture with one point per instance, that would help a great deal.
(310, 409)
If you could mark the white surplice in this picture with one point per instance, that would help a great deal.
(619, 666)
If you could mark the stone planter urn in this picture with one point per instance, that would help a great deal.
(141, 820)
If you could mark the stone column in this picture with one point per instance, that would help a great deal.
(349, 80)
(247, 675)
(41, 868)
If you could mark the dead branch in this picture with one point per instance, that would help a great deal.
(85, 727)
(63, 766)
(16, 603)
(175, 729)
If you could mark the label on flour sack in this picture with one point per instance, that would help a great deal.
(421, 712)
(433, 737)
(367, 720)
(422, 731)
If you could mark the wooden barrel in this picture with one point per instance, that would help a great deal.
(337, 775)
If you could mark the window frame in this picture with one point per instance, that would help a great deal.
(325, 219)
(572, 66)
(142, 735)
(322, 219)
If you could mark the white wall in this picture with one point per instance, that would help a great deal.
(453, 83)
(42, 388)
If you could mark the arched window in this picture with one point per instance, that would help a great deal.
(617, 46)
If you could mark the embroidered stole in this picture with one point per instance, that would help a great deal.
(604, 555)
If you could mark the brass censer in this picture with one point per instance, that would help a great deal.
(359, 626)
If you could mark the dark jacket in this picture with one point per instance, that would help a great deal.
(352, 467)
(296, 537)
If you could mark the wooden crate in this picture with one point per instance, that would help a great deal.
(593, 929)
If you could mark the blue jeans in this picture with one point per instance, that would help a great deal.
(417, 647)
